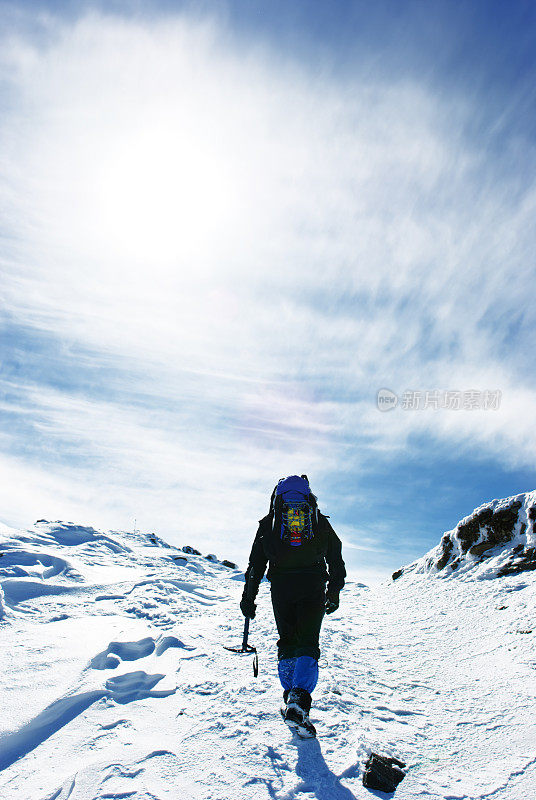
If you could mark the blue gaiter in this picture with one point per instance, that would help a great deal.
(299, 672)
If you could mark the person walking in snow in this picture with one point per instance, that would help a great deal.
(306, 572)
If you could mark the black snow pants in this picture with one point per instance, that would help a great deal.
(298, 600)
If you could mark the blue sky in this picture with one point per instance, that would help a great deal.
(225, 227)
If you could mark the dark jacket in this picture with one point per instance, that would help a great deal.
(322, 555)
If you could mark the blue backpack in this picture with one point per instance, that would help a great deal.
(294, 510)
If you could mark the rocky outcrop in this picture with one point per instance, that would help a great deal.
(498, 538)
(482, 531)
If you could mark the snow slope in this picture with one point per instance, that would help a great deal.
(115, 684)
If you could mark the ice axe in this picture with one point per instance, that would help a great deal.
(247, 648)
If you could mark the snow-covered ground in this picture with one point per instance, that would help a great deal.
(115, 682)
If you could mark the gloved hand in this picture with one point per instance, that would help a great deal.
(332, 602)
(247, 607)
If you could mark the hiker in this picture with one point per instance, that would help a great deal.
(304, 553)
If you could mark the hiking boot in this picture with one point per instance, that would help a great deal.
(296, 714)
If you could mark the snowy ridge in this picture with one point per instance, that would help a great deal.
(115, 682)
(497, 539)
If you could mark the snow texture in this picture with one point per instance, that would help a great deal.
(115, 682)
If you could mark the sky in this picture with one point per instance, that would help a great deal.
(225, 227)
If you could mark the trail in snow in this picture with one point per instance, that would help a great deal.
(119, 686)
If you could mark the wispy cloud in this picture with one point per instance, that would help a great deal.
(221, 257)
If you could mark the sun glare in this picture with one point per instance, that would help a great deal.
(167, 195)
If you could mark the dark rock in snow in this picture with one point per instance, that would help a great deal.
(478, 549)
(212, 557)
(397, 574)
(523, 562)
(229, 564)
(383, 773)
(157, 541)
(446, 542)
(190, 550)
